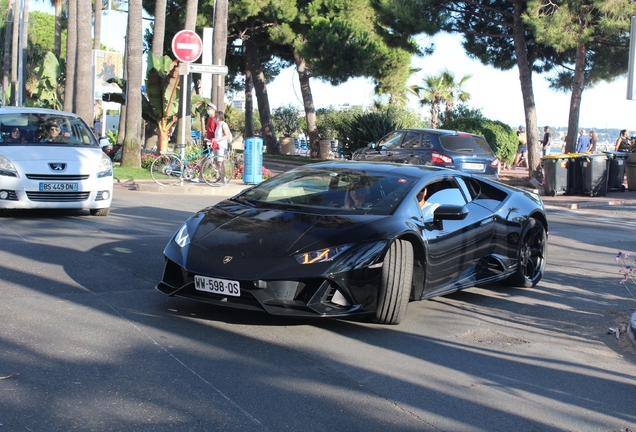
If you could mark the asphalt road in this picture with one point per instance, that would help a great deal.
(87, 343)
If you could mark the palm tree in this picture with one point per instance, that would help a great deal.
(434, 93)
(159, 28)
(57, 47)
(131, 155)
(455, 90)
(71, 47)
(7, 49)
(97, 42)
(83, 88)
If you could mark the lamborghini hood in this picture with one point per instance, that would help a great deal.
(234, 229)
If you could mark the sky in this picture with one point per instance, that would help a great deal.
(497, 93)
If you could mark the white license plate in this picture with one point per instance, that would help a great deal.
(59, 187)
(472, 166)
(217, 286)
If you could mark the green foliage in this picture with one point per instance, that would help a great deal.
(369, 127)
(602, 27)
(460, 112)
(40, 42)
(236, 120)
(112, 136)
(48, 85)
(285, 120)
(500, 136)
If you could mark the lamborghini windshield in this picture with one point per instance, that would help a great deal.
(332, 190)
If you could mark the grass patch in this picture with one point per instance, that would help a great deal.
(123, 174)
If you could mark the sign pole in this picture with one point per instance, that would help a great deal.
(184, 97)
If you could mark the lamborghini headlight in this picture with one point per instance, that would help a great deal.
(322, 255)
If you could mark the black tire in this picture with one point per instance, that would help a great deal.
(531, 255)
(166, 170)
(395, 287)
(100, 212)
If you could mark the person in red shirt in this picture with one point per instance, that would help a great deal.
(211, 125)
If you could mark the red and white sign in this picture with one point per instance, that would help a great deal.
(187, 46)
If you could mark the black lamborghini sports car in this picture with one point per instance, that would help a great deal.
(339, 239)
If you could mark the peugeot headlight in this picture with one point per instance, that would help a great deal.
(7, 168)
(321, 255)
(182, 238)
(105, 167)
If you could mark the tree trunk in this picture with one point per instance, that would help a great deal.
(14, 55)
(71, 45)
(121, 131)
(159, 31)
(131, 155)
(219, 49)
(25, 46)
(97, 42)
(7, 49)
(151, 136)
(308, 102)
(249, 102)
(575, 99)
(527, 92)
(57, 45)
(434, 113)
(260, 87)
(83, 99)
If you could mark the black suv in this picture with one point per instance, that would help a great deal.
(457, 150)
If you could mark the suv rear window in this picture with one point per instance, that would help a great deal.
(465, 144)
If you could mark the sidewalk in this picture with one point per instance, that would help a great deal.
(519, 178)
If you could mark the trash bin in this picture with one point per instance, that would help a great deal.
(594, 174)
(616, 170)
(253, 161)
(555, 169)
(574, 174)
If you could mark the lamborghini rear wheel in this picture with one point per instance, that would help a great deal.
(531, 255)
(395, 287)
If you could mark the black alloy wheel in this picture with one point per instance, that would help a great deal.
(531, 255)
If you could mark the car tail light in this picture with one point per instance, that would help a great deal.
(439, 158)
(494, 163)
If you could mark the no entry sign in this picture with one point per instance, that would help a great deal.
(187, 46)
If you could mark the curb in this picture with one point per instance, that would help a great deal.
(187, 188)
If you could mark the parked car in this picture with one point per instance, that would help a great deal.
(349, 238)
(51, 159)
(456, 150)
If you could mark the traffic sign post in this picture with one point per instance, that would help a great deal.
(187, 47)
(211, 69)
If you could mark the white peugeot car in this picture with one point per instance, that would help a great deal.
(51, 159)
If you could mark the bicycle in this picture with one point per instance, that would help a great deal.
(170, 168)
